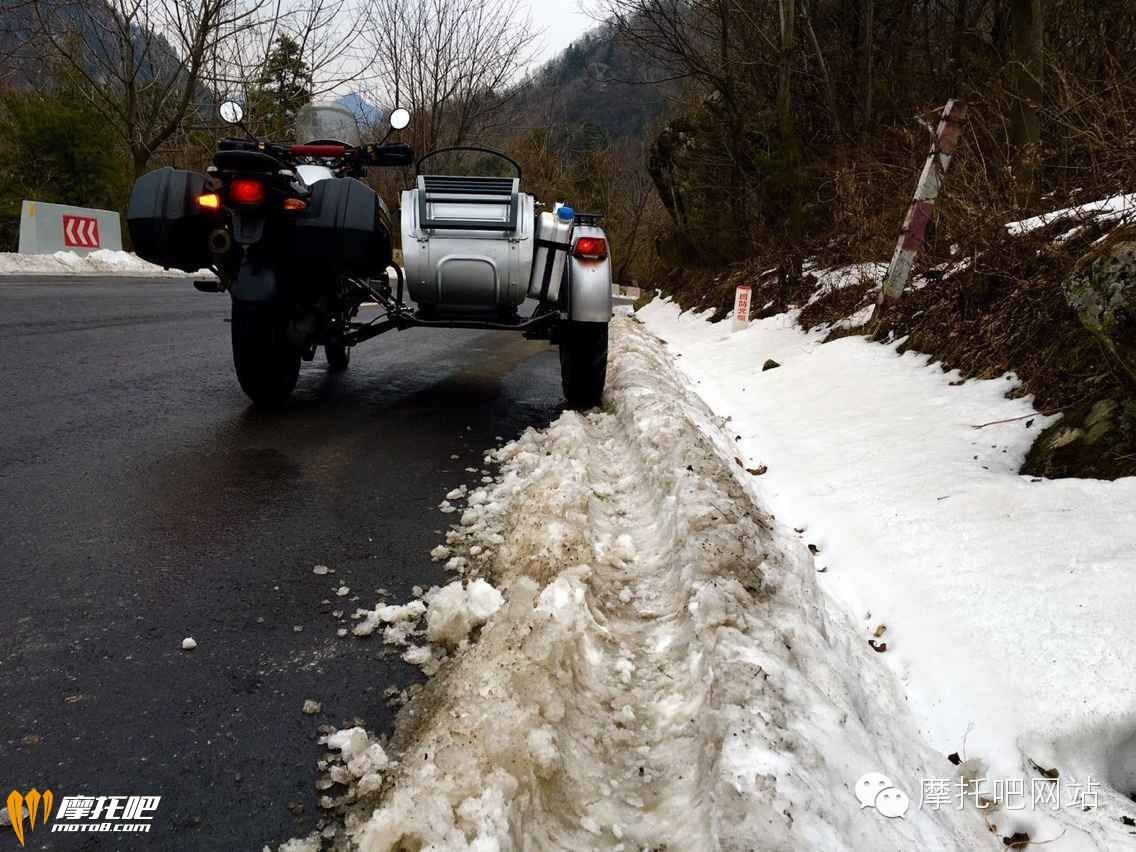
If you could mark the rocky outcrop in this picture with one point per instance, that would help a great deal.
(1093, 440)
(1102, 290)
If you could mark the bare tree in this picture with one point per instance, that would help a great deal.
(825, 74)
(788, 129)
(867, 58)
(144, 60)
(329, 35)
(1027, 38)
(450, 62)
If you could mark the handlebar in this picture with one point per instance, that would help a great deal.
(380, 154)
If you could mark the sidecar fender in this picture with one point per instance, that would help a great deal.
(589, 283)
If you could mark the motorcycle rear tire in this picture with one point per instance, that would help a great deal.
(267, 364)
(583, 363)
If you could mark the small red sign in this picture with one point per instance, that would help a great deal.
(80, 231)
(742, 305)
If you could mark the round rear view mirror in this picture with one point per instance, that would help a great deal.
(400, 118)
(231, 112)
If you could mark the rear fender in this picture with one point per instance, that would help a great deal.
(589, 283)
(255, 283)
(248, 227)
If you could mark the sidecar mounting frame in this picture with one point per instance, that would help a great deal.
(398, 316)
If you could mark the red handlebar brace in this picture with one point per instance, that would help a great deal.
(318, 150)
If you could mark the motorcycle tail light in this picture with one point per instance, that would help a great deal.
(295, 205)
(209, 201)
(245, 191)
(590, 248)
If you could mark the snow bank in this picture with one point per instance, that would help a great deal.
(1007, 601)
(1116, 208)
(99, 262)
(840, 277)
(661, 670)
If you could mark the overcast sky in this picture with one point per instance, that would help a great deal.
(562, 23)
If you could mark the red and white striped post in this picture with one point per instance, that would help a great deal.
(922, 205)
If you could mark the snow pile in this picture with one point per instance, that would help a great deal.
(840, 277)
(1006, 601)
(99, 262)
(364, 760)
(400, 619)
(1114, 209)
(661, 672)
(453, 611)
(351, 769)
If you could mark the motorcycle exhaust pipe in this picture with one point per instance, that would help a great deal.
(220, 241)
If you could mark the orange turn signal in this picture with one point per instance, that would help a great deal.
(295, 205)
(209, 201)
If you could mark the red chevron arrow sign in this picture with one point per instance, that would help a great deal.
(80, 232)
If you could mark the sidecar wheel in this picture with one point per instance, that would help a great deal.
(583, 363)
(338, 357)
(267, 364)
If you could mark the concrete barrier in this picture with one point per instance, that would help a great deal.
(46, 228)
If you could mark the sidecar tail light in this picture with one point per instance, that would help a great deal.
(590, 248)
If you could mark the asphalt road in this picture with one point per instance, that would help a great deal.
(143, 501)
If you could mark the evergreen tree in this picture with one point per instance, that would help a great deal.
(572, 63)
(282, 88)
(58, 148)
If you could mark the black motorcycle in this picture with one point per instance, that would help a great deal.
(292, 233)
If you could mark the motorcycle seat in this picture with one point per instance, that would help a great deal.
(247, 161)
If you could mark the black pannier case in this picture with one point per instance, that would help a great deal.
(166, 226)
(345, 230)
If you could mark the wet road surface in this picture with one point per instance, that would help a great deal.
(143, 501)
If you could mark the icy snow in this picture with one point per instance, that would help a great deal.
(1112, 209)
(838, 278)
(306, 844)
(662, 664)
(98, 262)
(726, 706)
(392, 614)
(350, 742)
(358, 766)
(453, 610)
(1008, 602)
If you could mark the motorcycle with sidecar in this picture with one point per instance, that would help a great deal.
(300, 243)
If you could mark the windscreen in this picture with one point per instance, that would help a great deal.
(316, 122)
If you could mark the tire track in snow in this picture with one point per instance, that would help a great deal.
(633, 752)
(664, 673)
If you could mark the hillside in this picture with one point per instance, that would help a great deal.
(596, 91)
